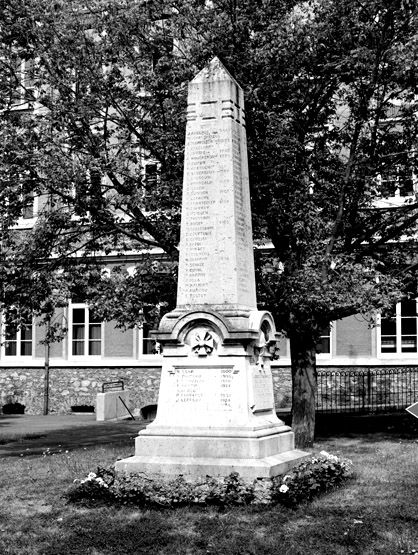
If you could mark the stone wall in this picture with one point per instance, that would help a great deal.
(79, 386)
(282, 387)
(75, 386)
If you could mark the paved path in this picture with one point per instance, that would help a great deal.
(29, 435)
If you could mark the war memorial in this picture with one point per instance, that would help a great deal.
(216, 412)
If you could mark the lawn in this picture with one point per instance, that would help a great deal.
(376, 513)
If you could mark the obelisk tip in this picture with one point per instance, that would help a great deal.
(214, 71)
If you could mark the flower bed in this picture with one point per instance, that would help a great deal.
(301, 484)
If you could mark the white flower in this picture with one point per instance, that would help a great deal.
(101, 482)
(283, 488)
(91, 476)
(287, 477)
(329, 456)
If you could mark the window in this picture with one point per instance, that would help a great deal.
(396, 169)
(17, 341)
(323, 347)
(151, 175)
(396, 181)
(27, 197)
(28, 206)
(88, 193)
(150, 180)
(22, 202)
(86, 332)
(21, 82)
(398, 329)
(149, 345)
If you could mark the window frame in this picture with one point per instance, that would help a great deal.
(24, 93)
(18, 341)
(330, 337)
(319, 356)
(86, 340)
(29, 206)
(398, 353)
(397, 179)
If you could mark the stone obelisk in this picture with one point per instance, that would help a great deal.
(216, 410)
(216, 251)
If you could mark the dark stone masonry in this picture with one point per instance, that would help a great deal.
(79, 386)
(76, 386)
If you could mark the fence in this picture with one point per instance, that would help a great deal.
(366, 390)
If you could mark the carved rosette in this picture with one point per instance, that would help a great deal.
(202, 343)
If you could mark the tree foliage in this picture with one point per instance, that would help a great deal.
(330, 89)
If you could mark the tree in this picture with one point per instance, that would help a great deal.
(320, 78)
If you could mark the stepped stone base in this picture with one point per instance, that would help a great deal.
(193, 457)
(191, 468)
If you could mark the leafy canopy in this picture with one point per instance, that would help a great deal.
(107, 81)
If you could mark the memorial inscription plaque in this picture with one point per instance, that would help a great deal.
(191, 383)
(262, 391)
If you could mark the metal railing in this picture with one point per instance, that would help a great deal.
(366, 390)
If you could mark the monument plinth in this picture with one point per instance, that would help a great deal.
(216, 411)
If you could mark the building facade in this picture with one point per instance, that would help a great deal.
(94, 352)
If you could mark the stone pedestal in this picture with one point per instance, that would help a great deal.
(216, 411)
(216, 406)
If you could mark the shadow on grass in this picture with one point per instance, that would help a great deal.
(9, 419)
(198, 532)
(67, 438)
(375, 426)
(101, 531)
(20, 439)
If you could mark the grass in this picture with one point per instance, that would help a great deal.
(376, 513)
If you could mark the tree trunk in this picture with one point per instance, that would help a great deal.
(303, 359)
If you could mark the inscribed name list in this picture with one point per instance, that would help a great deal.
(216, 257)
(203, 388)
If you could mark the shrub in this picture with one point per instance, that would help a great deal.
(13, 408)
(310, 478)
(140, 490)
(96, 486)
(301, 484)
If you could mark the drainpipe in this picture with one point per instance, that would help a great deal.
(46, 368)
